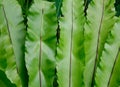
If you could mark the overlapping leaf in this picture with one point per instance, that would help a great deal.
(12, 38)
(70, 51)
(100, 21)
(108, 60)
(41, 44)
(115, 79)
(4, 81)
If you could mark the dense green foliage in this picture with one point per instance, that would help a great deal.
(59, 43)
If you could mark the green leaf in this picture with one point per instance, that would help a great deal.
(41, 44)
(4, 81)
(12, 41)
(7, 58)
(115, 79)
(100, 20)
(108, 59)
(70, 51)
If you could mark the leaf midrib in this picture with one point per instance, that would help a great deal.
(40, 53)
(70, 66)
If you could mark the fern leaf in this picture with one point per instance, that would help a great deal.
(108, 59)
(41, 44)
(12, 38)
(115, 79)
(100, 21)
(70, 51)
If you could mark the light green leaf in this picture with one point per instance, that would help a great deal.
(41, 44)
(70, 51)
(108, 59)
(115, 78)
(12, 38)
(100, 21)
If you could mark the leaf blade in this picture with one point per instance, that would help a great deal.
(16, 33)
(70, 54)
(97, 28)
(41, 38)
